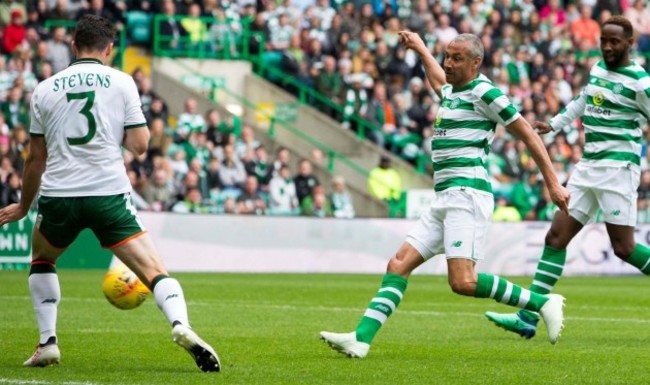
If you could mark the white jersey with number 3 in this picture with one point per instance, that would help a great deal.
(82, 112)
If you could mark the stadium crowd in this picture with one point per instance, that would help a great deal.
(538, 52)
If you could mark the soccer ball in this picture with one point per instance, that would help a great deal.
(123, 288)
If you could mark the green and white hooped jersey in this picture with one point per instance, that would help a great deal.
(82, 113)
(614, 106)
(463, 131)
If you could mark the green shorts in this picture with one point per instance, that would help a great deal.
(112, 218)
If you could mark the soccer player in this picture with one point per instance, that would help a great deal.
(79, 118)
(457, 221)
(615, 106)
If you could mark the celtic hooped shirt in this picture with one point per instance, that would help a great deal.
(463, 131)
(615, 106)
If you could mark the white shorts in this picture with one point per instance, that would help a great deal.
(612, 189)
(455, 224)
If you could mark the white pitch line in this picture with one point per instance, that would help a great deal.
(300, 307)
(18, 381)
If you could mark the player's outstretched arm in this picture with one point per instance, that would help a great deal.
(573, 110)
(34, 169)
(524, 131)
(434, 71)
(137, 140)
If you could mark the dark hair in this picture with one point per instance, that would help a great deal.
(93, 33)
(622, 22)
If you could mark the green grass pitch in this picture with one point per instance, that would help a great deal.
(265, 329)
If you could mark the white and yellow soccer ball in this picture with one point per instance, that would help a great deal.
(123, 289)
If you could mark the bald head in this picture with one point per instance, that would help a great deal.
(473, 42)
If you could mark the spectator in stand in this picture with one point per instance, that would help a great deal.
(157, 110)
(340, 199)
(305, 180)
(96, 8)
(158, 193)
(14, 108)
(282, 194)
(147, 95)
(639, 15)
(212, 176)
(381, 114)
(329, 83)
(282, 157)
(14, 33)
(58, 50)
(247, 142)
(190, 120)
(261, 167)
(384, 181)
(171, 29)
(195, 27)
(7, 7)
(586, 30)
(281, 33)
(192, 203)
(356, 101)
(231, 171)
(250, 201)
(316, 204)
(217, 129)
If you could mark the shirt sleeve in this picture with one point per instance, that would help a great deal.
(496, 106)
(643, 97)
(572, 111)
(35, 125)
(133, 117)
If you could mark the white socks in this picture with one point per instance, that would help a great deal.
(46, 295)
(170, 299)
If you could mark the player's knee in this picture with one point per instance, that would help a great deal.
(555, 240)
(623, 250)
(397, 265)
(463, 286)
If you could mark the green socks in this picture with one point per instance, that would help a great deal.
(504, 291)
(640, 258)
(381, 307)
(549, 270)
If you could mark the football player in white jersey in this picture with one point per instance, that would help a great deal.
(614, 106)
(80, 118)
(456, 223)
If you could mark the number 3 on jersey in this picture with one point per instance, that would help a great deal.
(85, 111)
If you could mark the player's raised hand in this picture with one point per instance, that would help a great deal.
(412, 40)
(542, 127)
(11, 213)
(560, 196)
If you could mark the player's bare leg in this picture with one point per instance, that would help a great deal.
(626, 248)
(140, 255)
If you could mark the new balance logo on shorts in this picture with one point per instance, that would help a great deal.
(171, 296)
(456, 244)
(49, 300)
(615, 212)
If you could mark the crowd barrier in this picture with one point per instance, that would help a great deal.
(214, 243)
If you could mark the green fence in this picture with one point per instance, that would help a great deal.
(118, 58)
